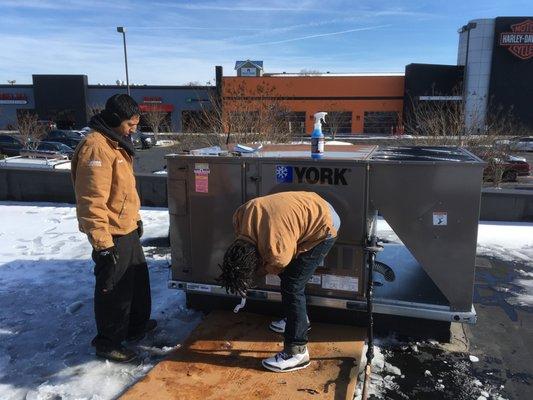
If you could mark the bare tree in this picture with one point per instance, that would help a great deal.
(31, 132)
(156, 120)
(443, 123)
(94, 109)
(246, 114)
(335, 120)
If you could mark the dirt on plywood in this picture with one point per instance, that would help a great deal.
(222, 360)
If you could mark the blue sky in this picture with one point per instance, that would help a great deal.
(176, 42)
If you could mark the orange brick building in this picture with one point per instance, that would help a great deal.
(355, 103)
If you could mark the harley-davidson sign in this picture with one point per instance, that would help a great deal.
(520, 41)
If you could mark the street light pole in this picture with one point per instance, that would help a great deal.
(466, 28)
(121, 29)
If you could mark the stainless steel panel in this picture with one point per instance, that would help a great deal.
(414, 310)
(211, 227)
(407, 194)
(180, 243)
(177, 196)
(341, 184)
(435, 282)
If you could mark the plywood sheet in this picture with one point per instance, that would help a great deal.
(221, 359)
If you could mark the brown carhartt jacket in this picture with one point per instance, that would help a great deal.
(283, 225)
(107, 202)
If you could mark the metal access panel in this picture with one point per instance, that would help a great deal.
(436, 215)
(203, 194)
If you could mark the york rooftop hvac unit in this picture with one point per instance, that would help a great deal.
(430, 196)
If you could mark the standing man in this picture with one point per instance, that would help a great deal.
(107, 206)
(288, 234)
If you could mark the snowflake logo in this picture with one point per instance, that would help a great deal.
(283, 174)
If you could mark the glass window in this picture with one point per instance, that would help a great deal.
(383, 122)
(295, 122)
(337, 122)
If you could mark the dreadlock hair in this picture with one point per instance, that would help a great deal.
(240, 262)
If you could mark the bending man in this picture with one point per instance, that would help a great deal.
(288, 234)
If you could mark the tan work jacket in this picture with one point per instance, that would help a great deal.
(284, 225)
(107, 202)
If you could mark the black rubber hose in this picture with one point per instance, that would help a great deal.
(385, 270)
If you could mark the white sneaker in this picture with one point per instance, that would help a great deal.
(279, 326)
(283, 362)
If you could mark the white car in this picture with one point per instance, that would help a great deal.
(522, 144)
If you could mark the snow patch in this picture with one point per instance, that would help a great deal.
(47, 316)
(379, 380)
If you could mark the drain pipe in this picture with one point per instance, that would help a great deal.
(372, 249)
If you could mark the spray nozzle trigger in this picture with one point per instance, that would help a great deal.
(320, 117)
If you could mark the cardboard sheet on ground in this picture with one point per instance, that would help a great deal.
(221, 359)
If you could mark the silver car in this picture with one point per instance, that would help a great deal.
(522, 144)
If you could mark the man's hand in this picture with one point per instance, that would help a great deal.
(140, 228)
(108, 256)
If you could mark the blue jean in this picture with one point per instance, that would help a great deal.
(293, 280)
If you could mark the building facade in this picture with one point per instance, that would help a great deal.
(355, 103)
(498, 59)
(69, 101)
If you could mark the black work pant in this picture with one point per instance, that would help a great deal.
(122, 300)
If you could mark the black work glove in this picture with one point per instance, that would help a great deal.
(108, 256)
(104, 269)
(140, 228)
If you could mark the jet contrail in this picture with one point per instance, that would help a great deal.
(324, 34)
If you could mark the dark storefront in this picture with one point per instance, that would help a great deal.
(431, 86)
(511, 78)
(61, 98)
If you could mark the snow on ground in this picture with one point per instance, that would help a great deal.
(46, 314)
(506, 241)
(451, 373)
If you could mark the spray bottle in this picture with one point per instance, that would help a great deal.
(317, 137)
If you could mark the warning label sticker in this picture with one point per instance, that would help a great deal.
(274, 280)
(337, 282)
(198, 287)
(440, 218)
(201, 168)
(201, 177)
(201, 183)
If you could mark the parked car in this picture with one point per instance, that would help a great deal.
(513, 167)
(57, 148)
(522, 144)
(47, 124)
(69, 138)
(141, 140)
(85, 130)
(10, 146)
